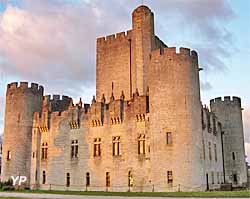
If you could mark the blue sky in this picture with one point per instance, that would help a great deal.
(52, 42)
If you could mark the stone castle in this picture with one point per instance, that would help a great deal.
(146, 129)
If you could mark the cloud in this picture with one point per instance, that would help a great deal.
(205, 86)
(52, 42)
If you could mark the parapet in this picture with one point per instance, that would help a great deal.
(34, 87)
(227, 100)
(171, 52)
(114, 38)
(57, 102)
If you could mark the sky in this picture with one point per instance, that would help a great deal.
(52, 42)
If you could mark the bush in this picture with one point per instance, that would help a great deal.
(7, 185)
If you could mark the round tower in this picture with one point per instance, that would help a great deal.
(21, 103)
(229, 113)
(174, 95)
(142, 44)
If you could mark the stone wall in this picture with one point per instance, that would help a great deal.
(21, 103)
(229, 112)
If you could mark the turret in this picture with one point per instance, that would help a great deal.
(229, 113)
(143, 41)
(21, 103)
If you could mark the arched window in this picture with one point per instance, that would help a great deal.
(87, 179)
(44, 151)
(44, 177)
(107, 179)
(68, 180)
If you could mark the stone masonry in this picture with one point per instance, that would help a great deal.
(146, 129)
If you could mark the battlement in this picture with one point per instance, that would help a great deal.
(226, 100)
(34, 87)
(57, 102)
(115, 37)
(172, 51)
(56, 98)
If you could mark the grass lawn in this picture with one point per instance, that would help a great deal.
(241, 194)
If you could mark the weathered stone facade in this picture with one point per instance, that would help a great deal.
(146, 130)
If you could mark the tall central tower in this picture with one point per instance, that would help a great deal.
(123, 59)
(142, 43)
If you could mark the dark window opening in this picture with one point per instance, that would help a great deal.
(107, 179)
(233, 156)
(170, 177)
(44, 177)
(68, 180)
(9, 155)
(87, 179)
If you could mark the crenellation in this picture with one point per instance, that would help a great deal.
(56, 97)
(226, 100)
(34, 86)
(110, 38)
(185, 51)
(12, 85)
(113, 38)
(120, 35)
(147, 117)
(194, 54)
(172, 52)
(24, 85)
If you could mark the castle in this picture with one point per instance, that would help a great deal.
(146, 129)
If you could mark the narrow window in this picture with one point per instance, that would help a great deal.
(214, 126)
(130, 179)
(215, 152)
(141, 144)
(9, 155)
(44, 177)
(169, 138)
(68, 180)
(218, 177)
(36, 175)
(116, 146)
(44, 151)
(74, 149)
(210, 150)
(208, 123)
(107, 179)
(170, 177)
(235, 178)
(87, 179)
(97, 147)
(233, 156)
(204, 149)
(212, 176)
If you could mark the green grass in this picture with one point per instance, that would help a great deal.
(216, 194)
